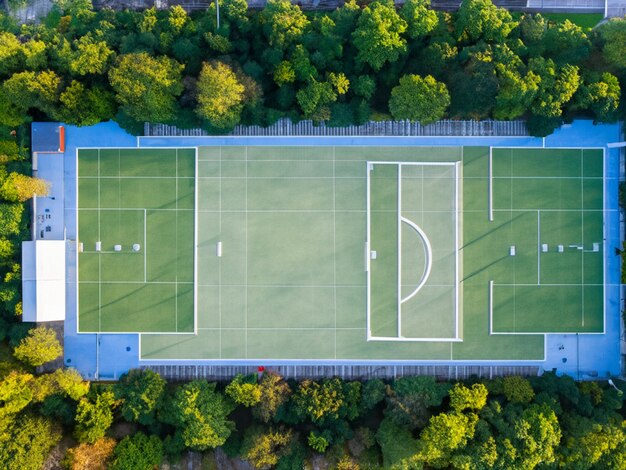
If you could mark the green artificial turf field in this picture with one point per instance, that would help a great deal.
(146, 198)
(341, 253)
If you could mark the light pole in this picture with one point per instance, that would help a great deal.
(612, 384)
(217, 9)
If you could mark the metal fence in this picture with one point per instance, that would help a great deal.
(285, 127)
(182, 373)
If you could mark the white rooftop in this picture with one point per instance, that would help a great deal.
(43, 280)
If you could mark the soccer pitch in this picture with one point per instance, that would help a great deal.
(341, 253)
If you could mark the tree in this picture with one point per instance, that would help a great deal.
(318, 401)
(284, 73)
(419, 17)
(283, 23)
(17, 187)
(601, 96)
(378, 35)
(275, 392)
(93, 418)
(422, 99)
(516, 92)
(34, 52)
(445, 433)
(537, 434)
(264, 448)
(410, 397)
(220, 96)
(15, 394)
(566, 43)
(463, 398)
(28, 90)
(10, 219)
(84, 106)
(141, 392)
(200, 414)
(396, 443)
(315, 98)
(90, 56)
(147, 86)
(40, 346)
(94, 456)
(601, 446)
(244, 390)
(614, 35)
(518, 389)
(26, 441)
(318, 443)
(481, 19)
(177, 18)
(138, 452)
(372, 394)
(10, 49)
(556, 88)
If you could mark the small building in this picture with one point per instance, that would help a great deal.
(43, 280)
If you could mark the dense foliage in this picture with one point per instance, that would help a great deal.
(345, 66)
(410, 422)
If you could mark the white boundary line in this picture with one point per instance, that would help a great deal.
(399, 264)
(77, 210)
(145, 246)
(490, 307)
(604, 212)
(538, 247)
(604, 237)
(368, 296)
(457, 274)
(369, 168)
(429, 259)
(335, 248)
(490, 185)
(195, 246)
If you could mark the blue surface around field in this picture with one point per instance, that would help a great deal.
(582, 356)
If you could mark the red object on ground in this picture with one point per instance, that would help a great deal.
(261, 369)
(61, 139)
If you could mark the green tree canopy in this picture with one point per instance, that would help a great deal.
(319, 400)
(378, 36)
(463, 398)
(40, 346)
(244, 390)
(17, 187)
(614, 35)
(94, 416)
(200, 414)
(410, 397)
(275, 392)
(90, 56)
(137, 452)
(220, 96)
(15, 393)
(283, 23)
(422, 99)
(141, 392)
(263, 448)
(85, 106)
(601, 96)
(420, 19)
(481, 19)
(517, 389)
(146, 87)
(26, 441)
(557, 86)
